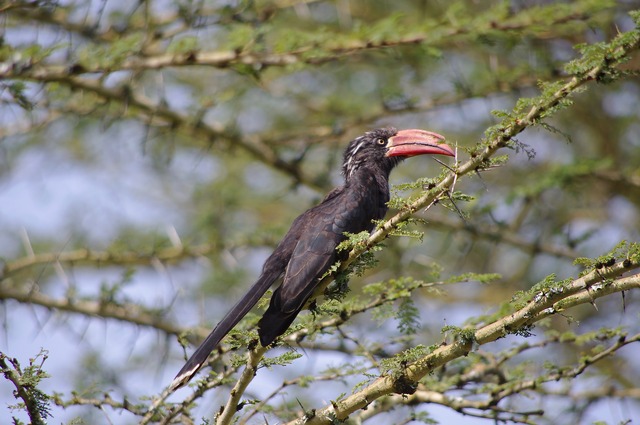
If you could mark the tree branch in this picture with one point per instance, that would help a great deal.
(338, 49)
(227, 414)
(543, 304)
(126, 312)
(105, 258)
(26, 381)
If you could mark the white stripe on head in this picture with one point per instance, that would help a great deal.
(353, 154)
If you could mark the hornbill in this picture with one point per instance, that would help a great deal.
(309, 248)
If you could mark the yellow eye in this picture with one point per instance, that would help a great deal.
(381, 142)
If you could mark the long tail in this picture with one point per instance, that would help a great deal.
(237, 312)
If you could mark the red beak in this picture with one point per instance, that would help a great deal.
(417, 142)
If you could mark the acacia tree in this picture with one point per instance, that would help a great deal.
(153, 154)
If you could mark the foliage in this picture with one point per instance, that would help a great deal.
(153, 154)
(26, 382)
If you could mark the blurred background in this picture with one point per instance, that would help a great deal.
(152, 154)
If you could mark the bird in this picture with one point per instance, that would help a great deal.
(308, 249)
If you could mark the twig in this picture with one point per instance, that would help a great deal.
(35, 401)
(229, 410)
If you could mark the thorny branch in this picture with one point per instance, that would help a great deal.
(25, 382)
(580, 291)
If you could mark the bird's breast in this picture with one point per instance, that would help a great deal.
(359, 210)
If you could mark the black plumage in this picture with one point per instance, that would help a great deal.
(309, 247)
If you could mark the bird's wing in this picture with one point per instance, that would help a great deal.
(314, 253)
(312, 256)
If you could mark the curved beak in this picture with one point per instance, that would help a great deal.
(417, 142)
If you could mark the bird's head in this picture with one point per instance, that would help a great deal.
(385, 147)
